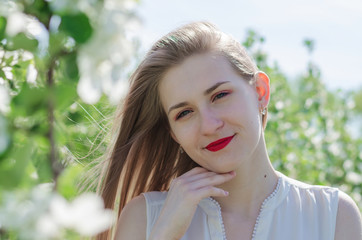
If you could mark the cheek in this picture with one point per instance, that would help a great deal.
(246, 117)
(184, 134)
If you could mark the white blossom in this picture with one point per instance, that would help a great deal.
(120, 89)
(291, 157)
(304, 124)
(8, 74)
(60, 211)
(105, 60)
(332, 135)
(26, 56)
(16, 23)
(335, 149)
(89, 216)
(348, 165)
(85, 214)
(354, 178)
(4, 101)
(34, 27)
(70, 6)
(7, 7)
(89, 90)
(350, 104)
(4, 137)
(47, 227)
(43, 214)
(357, 196)
(19, 211)
(317, 140)
(308, 103)
(31, 74)
(310, 131)
(279, 105)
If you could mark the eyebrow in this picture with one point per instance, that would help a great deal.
(206, 92)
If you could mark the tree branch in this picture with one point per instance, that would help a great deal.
(56, 166)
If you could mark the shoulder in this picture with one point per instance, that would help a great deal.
(313, 193)
(349, 223)
(321, 201)
(132, 222)
(302, 185)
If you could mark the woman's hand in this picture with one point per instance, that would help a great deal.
(183, 197)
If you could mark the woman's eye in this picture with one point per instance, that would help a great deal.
(219, 95)
(183, 114)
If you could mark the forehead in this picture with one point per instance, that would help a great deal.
(193, 76)
(199, 66)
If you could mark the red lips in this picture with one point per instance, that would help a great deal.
(219, 144)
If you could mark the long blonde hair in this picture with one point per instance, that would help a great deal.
(144, 157)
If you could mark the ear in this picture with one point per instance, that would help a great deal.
(262, 85)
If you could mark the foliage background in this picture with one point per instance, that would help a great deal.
(64, 65)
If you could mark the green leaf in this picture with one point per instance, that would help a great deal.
(29, 101)
(56, 42)
(38, 8)
(19, 72)
(4, 136)
(71, 67)
(67, 181)
(2, 27)
(2, 74)
(12, 170)
(41, 159)
(9, 61)
(77, 26)
(65, 95)
(21, 41)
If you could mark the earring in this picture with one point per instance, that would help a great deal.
(181, 150)
(263, 112)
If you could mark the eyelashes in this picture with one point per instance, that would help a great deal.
(214, 98)
(220, 95)
(183, 114)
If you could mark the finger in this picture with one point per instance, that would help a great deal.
(213, 180)
(202, 175)
(183, 179)
(196, 170)
(210, 191)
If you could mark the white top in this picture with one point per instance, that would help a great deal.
(294, 210)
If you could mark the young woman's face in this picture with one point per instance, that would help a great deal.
(214, 114)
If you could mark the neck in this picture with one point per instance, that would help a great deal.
(255, 180)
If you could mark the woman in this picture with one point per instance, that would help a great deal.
(191, 140)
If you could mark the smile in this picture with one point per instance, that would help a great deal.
(219, 144)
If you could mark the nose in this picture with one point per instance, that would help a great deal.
(210, 121)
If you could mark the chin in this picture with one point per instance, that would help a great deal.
(224, 167)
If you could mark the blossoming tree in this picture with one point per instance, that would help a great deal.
(63, 65)
(55, 57)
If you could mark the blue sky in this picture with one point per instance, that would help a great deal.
(334, 25)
